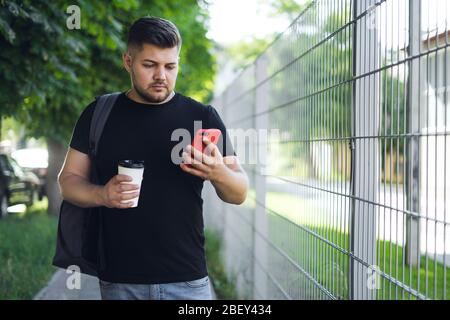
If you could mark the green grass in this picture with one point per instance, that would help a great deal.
(27, 243)
(222, 283)
(329, 266)
(423, 278)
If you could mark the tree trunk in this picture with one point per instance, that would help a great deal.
(56, 156)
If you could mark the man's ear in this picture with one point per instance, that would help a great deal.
(126, 58)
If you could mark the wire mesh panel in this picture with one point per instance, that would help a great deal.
(347, 114)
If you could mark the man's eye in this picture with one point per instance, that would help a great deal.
(170, 67)
(148, 65)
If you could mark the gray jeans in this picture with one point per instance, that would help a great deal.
(188, 290)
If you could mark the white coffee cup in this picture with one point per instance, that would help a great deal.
(134, 169)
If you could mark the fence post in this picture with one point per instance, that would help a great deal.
(365, 155)
(413, 156)
(260, 217)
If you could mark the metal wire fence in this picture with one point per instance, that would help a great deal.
(349, 195)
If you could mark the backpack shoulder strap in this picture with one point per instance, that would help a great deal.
(102, 110)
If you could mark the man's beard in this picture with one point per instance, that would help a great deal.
(147, 97)
(150, 98)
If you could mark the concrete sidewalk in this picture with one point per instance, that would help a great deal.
(56, 288)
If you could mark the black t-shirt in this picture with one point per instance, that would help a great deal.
(162, 240)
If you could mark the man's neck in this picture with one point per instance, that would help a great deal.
(133, 95)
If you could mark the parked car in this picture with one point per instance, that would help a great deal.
(17, 186)
(36, 161)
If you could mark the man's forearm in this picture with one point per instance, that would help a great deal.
(231, 186)
(80, 192)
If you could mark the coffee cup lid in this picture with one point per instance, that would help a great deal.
(134, 164)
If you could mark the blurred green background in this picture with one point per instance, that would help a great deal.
(49, 74)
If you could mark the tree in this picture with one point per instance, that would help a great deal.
(50, 73)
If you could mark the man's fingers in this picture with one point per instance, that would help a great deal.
(127, 187)
(123, 178)
(119, 196)
(187, 158)
(128, 196)
(126, 205)
(121, 202)
(200, 156)
(193, 162)
(192, 171)
(210, 149)
(215, 152)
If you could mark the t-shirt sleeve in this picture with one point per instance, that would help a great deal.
(80, 135)
(213, 121)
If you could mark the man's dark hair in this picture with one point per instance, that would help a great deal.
(156, 31)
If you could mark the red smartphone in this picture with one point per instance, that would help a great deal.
(212, 134)
(197, 142)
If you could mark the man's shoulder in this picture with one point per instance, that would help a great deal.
(191, 102)
(88, 110)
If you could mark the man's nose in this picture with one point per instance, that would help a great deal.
(159, 74)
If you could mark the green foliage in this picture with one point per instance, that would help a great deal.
(50, 73)
(27, 247)
(393, 110)
(289, 8)
(245, 52)
(223, 284)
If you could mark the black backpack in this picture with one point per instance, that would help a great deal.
(79, 229)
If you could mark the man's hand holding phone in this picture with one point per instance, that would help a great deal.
(208, 164)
